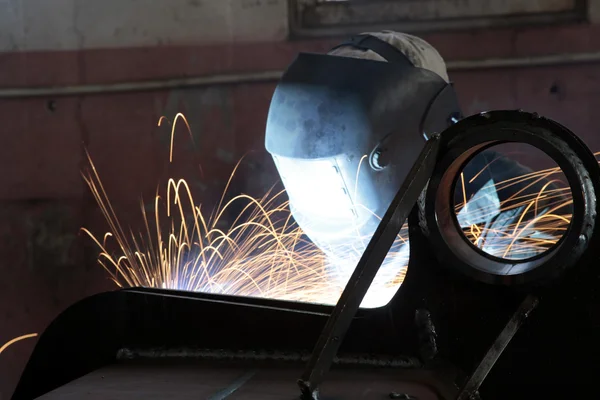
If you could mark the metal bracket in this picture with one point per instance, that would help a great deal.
(332, 335)
(470, 389)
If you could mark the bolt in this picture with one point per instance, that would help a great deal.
(454, 118)
(376, 156)
(376, 159)
(51, 105)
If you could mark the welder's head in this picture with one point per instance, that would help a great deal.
(345, 128)
(420, 53)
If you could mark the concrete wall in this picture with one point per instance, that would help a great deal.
(45, 264)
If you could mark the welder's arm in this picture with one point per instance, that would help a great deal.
(513, 181)
(509, 203)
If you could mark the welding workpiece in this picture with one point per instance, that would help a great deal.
(440, 164)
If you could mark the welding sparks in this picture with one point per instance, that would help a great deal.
(15, 340)
(263, 252)
(532, 216)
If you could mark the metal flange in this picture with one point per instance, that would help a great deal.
(460, 143)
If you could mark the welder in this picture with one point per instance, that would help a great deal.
(345, 128)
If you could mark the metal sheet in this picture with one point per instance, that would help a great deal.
(217, 382)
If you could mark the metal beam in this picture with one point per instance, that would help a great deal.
(471, 387)
(275, 75)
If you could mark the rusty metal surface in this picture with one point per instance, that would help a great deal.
(338, 323)
(369, 360)
(218, 382)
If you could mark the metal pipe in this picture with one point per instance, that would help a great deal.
(525, 62)
(271, 76)
(126, 87)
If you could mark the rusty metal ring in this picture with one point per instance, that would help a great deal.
(474, 134)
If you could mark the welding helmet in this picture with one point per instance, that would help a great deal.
(345, 131)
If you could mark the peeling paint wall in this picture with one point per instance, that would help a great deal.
(82, 24)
